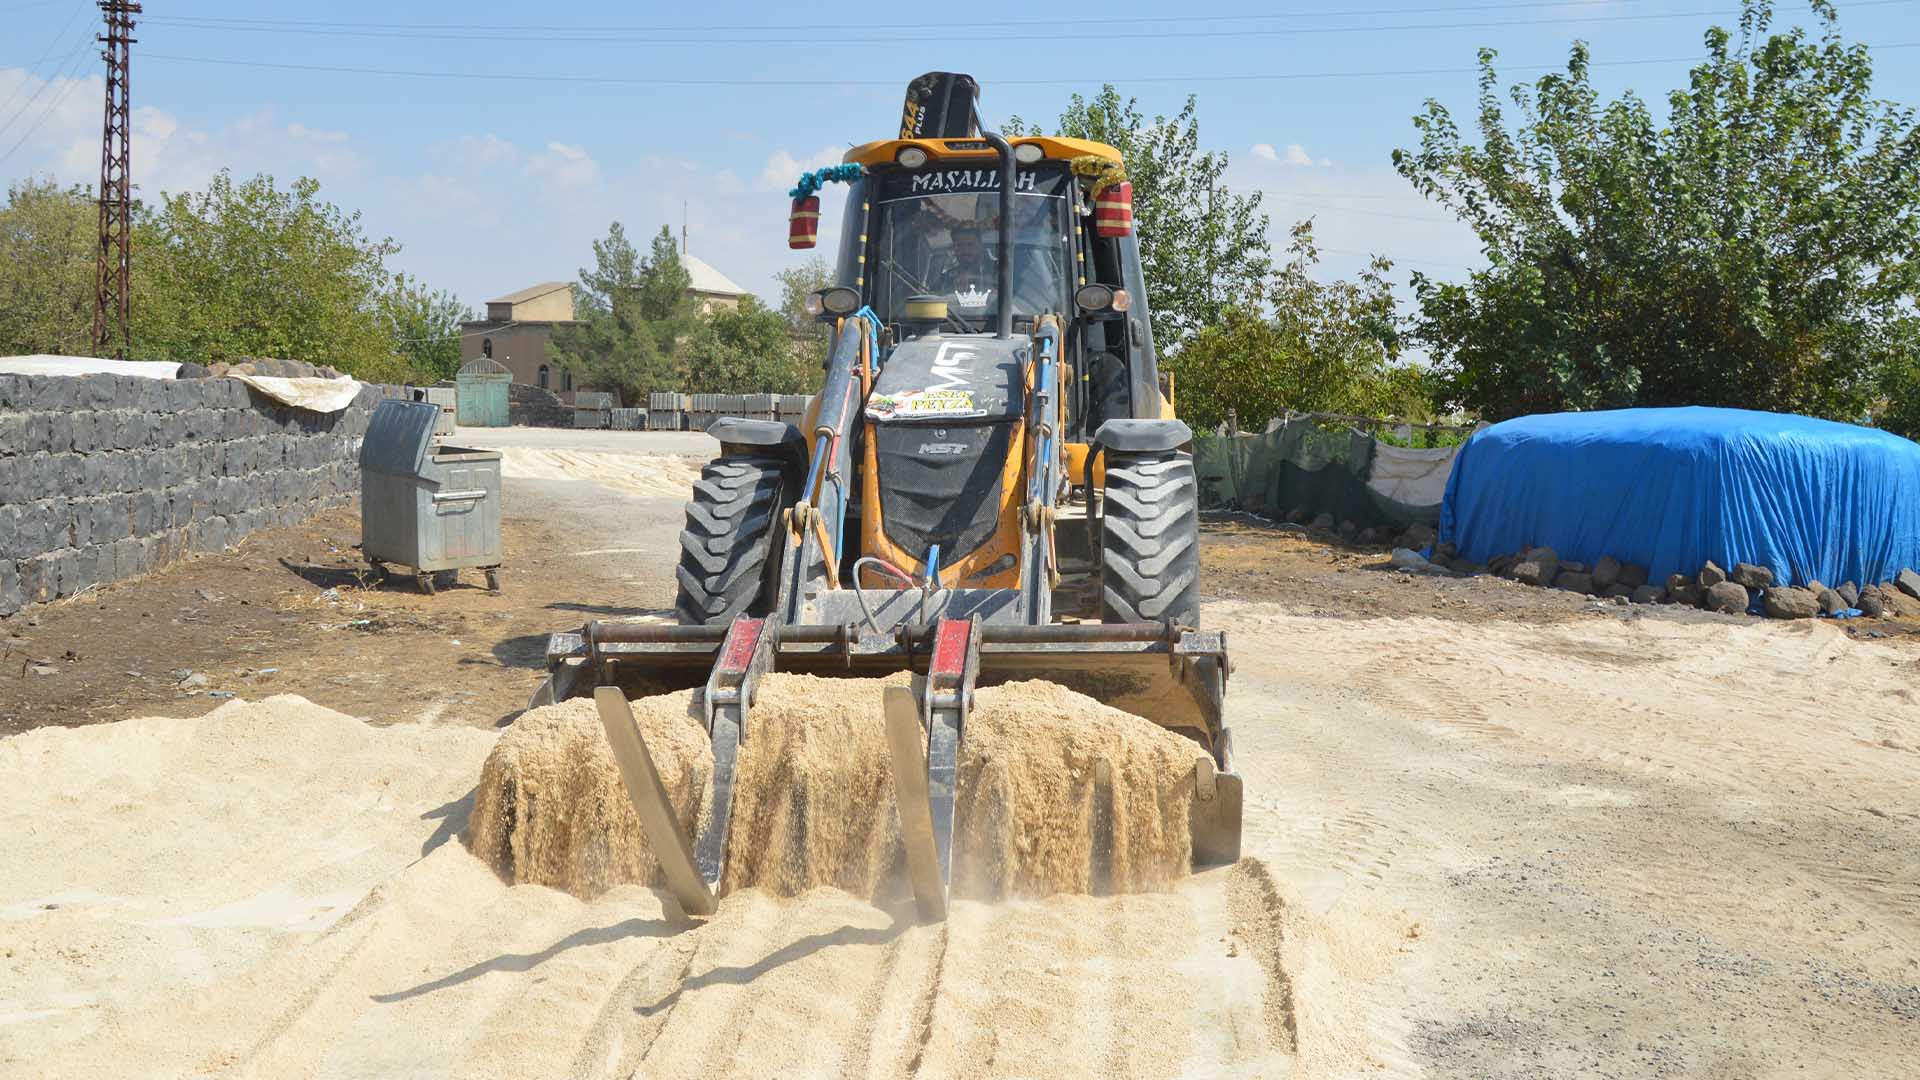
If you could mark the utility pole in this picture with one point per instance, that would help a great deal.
(113, 273)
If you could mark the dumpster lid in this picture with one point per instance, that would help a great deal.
(398, 436)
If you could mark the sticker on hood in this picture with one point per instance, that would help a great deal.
(922, 404)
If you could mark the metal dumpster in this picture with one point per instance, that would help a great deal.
(430, 508)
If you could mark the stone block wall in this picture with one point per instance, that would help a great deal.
(104, 477)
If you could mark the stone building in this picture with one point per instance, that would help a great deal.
(517, 330)
(710, 287)
(520, 325)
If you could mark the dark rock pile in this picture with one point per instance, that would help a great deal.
(1733, 592)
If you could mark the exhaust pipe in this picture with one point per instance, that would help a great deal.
(1007, 180)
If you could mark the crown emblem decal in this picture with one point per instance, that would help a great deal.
(972, 297)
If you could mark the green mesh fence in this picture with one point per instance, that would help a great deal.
(1302, 465)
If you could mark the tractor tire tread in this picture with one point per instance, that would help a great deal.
(1150, 528)
(727, 550)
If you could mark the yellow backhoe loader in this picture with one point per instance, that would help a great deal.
(990, 485)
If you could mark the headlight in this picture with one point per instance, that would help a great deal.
(1091, 298)
(838, 300)
(1028, 153)
(911, 157)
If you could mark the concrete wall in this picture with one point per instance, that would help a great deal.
(104, 477)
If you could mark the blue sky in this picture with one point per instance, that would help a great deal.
(517, 132)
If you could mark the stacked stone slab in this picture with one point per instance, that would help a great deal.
(104, 477)
(533, 406)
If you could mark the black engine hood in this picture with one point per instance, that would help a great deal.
(943, 378)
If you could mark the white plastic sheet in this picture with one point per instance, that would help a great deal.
(314, 395)
(1414, 477)
(43, 364)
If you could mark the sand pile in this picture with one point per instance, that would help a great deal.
(190, 804)
(1057, 793)
(270, 890)
(641, 474)
(1045, 774)
(551, 808)
(813, 797)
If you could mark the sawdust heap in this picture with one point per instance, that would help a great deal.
(814, 804)
(1036, 763)
(551, 808)
(813, 791)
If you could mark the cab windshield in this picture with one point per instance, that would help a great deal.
(938, 234)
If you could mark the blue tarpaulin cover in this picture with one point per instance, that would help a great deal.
(1671, 488)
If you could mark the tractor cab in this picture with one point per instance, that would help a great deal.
(922, 247)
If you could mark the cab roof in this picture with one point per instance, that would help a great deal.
(1055, 148)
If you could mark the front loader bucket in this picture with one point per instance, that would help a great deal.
(1173, 676)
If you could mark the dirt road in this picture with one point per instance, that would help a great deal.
(1495, 832)
(293, 610)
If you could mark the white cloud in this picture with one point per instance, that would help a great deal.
(302, 131)
(59, 136)
(477, 150)
(783, 169)
(1295, 155)
(564, 166)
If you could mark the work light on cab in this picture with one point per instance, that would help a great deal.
(833, 303)
(1094, 299)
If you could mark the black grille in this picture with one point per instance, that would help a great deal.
(941, 485)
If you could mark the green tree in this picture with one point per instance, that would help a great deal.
(614, 277)
(1302, 345)
(47, 253)
(249, 269)
(1757, 249)
(1202, 247)
(628, 327)
(664, 282)
(810, 336)
(745, 350)
(425, 325)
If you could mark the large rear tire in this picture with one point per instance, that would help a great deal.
(1150, 539)
(728, 565)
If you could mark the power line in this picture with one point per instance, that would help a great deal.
(1357, 210)
(1337, 195)
(613, 37)
(1393, 259)
(1021, 24)
(71, 73)
(1095, 80)
(64, 66)
(52, 44)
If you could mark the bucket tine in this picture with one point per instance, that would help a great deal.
(745, 654)
(943, 753)
(1100, 831)
(642, 778)
(906, 743)
(923, 742)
